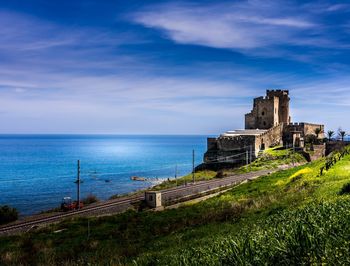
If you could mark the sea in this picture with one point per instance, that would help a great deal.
(37, 171)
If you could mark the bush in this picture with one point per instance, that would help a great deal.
(220, 174)
(8, 214)
(311, 138)
(90, 199)
(345, 189)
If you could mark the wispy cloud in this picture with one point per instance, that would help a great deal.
(246, 26)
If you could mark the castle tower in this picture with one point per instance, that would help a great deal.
(283, 95)
(269, 111)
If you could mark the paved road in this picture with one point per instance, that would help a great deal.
(123, 203)
(176, 193)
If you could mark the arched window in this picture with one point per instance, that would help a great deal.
(262, 113)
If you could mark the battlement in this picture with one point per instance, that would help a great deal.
(277, 93)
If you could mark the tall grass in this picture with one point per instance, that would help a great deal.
(316, 234)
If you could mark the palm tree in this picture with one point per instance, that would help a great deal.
(341, 134)
(330, 134)
(318, 131)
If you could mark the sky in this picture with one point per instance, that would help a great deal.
(169, 67)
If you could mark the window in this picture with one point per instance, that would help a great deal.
(263, 113)
(264, 123)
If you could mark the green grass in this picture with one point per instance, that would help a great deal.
(271, 159)
(289, 217)
(199, 176)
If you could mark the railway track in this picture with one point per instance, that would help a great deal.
(59, 217)
(167, 195)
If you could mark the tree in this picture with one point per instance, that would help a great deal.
(8, 214)
(318, 131)
(341, 134)
(330, 134)
(310, 138)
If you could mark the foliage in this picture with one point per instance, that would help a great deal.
(311, 138)
(330, 134)
(8, 214)
(345, 189)
(220, 174)
(341, 134)
(318, 131)
(90, 199)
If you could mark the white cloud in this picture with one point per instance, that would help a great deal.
(243, 25)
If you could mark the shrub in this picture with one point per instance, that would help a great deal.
(311, 138)
(345, 189)
(220, 174)
(8, 214)
(90, 199)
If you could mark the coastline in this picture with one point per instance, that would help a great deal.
(37, 172)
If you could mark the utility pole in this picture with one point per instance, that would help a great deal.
(193, 166)
(78, 185)
(88, 231)
(176, 174)
(250, 156)
(246, 157)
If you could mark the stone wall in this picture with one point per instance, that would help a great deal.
(270, 138)
(212, 144)
(232, 148)
(310, 129)
(319, 151)
(303, 128)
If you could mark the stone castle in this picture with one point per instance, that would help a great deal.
(267, 125)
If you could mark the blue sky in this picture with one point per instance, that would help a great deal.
(169, 67)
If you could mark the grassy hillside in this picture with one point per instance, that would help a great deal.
(295, 216)
(271, 159)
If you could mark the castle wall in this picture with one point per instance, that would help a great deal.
(232, 148)
(270, 138)
(310, 129)
(250, 121)
(238, 143)
(303, 128)
(212, 144)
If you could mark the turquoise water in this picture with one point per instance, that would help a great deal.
(37, 171)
